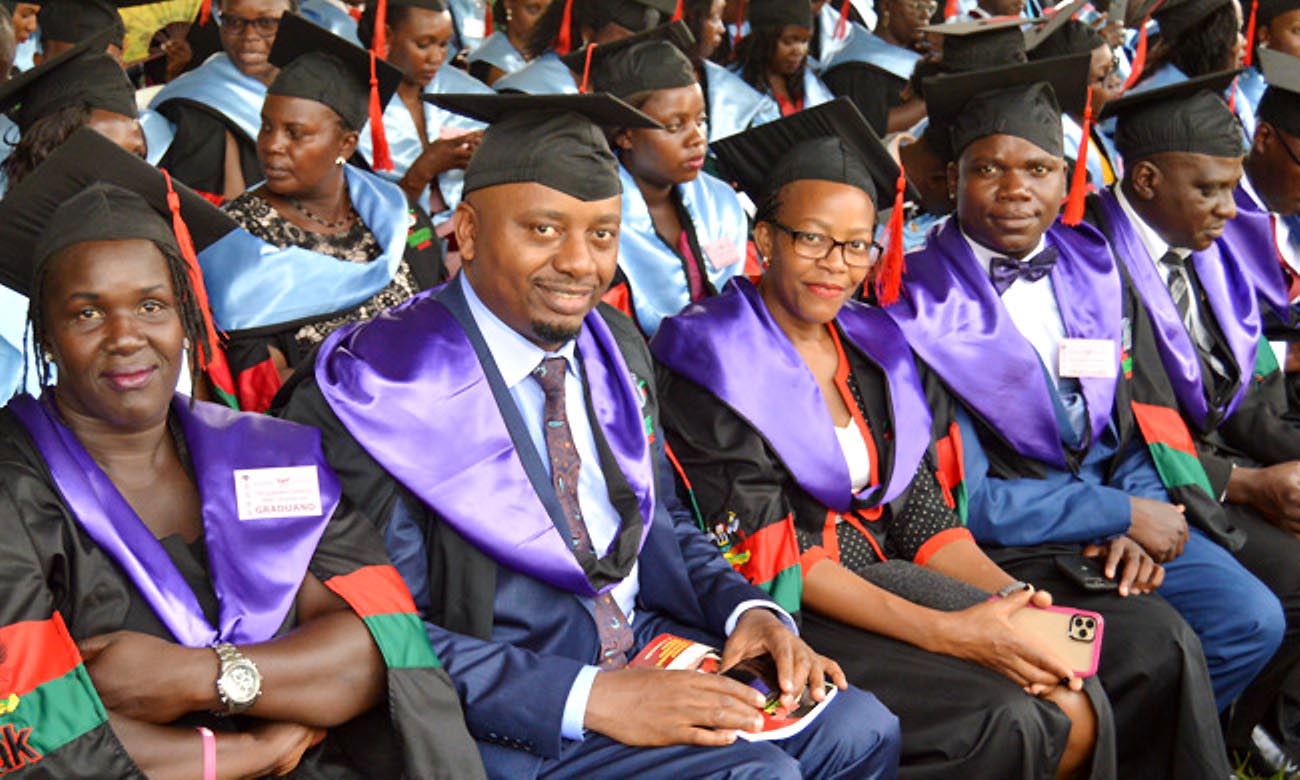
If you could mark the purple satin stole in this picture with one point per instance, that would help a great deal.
(410, 388)
(731, 346)
(1262, 264)
(956, 321)
(1231, 296)
(256, 565)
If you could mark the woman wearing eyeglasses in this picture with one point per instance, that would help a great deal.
(803, 437)
(683, 231)
(215, 108)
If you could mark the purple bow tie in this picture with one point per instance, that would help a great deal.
(1006, 270)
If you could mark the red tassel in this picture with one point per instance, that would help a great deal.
(951, 9)
(564, 41)
(677, 15)
(842, 26)
(205, 12)
(207, 349)
(1249, 59)
(1232, 97)
(889, 277)
(379, 44)
(586, 69)
(487, 18)
(1140, 51)
(381, 160)
(1079, 182)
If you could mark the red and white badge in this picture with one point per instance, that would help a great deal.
(292, 491)
(1088, 359)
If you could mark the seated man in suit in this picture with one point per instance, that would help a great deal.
(1189, 250)
(505, 433)
(1025, 332)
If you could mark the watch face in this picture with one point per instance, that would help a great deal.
(240, 683)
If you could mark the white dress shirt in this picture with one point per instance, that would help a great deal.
(1156, 248)
(1032, 306)
(516, 357)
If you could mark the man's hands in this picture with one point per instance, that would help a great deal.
(760, 631)
(985, 634)
(1137, 572)
(654, 707)
(1274, 492)
(1159, 527)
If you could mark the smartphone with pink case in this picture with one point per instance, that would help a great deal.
(1074, 635)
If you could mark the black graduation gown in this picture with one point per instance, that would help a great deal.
(993, 729)
(197, 155)
(53, 572)
(1152, 666)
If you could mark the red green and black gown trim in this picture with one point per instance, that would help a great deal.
(60, 587)
(773, 531)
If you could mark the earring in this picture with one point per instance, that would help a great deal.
(339, 161)
(185, 344)
(48, 355)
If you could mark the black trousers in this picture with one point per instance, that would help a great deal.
(1273, 699)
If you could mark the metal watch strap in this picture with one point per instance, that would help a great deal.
(228, 655)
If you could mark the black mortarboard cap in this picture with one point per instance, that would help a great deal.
(1047, 25)
(82, 75)
(90, 189)
(634, 15)
(779, 13)
(831, 142)
(974, 44)
(553, 140)
(648, 66)
(73, 21)
(1074, 37)
(1176, 17)
(1189, 116)
(1271, 9)
(315, 64)
(1280, 105)
(676, 33)
(1025, 101)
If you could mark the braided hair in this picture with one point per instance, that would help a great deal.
(188, 309)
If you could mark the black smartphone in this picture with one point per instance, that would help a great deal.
(1085, 572)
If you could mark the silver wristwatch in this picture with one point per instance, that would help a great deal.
(238, 681)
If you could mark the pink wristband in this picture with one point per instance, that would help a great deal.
(209, 753)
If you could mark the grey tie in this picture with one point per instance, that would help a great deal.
(1180, 289)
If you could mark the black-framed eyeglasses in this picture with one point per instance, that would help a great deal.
(810, 245)
(1286, 144)
(265, 26)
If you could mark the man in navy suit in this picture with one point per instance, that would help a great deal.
(503, 431)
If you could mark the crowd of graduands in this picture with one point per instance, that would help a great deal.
(382, 376)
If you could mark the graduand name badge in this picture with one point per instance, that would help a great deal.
(292, 491)
(1087, 359)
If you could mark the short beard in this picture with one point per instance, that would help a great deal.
(550, 333)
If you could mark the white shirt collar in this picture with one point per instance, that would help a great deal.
(514, 355)
(1254, 195)
(985, 256)
(1155, 245)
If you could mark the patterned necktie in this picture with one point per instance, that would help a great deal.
(1006, 270)
(611, 623)
(1180, 290)
(1180, 286)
